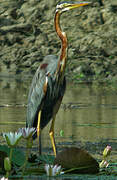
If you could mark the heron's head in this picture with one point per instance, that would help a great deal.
(67, 5)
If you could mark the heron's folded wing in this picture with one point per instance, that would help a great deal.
(36, 95)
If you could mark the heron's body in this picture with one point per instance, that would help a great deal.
(48, 102)
(48, 85)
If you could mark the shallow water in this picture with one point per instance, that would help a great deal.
(87, 117)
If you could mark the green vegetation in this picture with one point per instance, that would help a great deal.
(17, 163)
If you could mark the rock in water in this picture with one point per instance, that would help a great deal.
(77, 159)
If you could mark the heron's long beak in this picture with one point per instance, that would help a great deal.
(78, 4)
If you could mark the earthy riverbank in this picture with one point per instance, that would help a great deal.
(27, 35)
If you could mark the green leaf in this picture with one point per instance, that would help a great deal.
(5, 148)
(48, 159)
(61, 133)
(18, 156)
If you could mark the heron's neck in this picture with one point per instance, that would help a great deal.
(62, 36)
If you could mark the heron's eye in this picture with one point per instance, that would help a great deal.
(58, 9)
(61, 6)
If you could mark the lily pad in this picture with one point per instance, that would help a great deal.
(18, 156)
(77, 160)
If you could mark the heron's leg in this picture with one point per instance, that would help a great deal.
(51, 133)
(39, 131)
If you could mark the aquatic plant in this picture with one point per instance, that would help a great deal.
(104, 163)
(12, 138)
(3, 178)
(27, 134)
(45, 162)
(53, 170)
(107, 151)
(7, 166)
(61, 133)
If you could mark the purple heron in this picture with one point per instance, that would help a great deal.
(49, 84)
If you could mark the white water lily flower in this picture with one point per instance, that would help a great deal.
(3, 178)
(27, 132)
(53, 170)
(12, 138)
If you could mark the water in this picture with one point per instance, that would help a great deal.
(87, 117)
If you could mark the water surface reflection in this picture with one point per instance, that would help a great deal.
(87, 114)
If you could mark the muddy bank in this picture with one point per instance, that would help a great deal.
(27, 34)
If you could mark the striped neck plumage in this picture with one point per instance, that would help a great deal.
(63, 38)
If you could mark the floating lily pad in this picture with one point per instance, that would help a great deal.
(77, 160)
